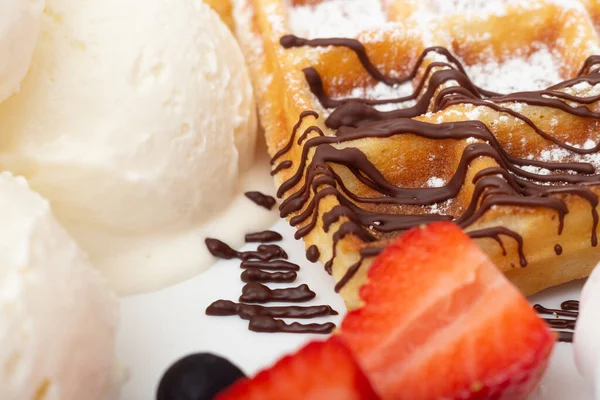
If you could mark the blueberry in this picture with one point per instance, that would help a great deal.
(197, 377)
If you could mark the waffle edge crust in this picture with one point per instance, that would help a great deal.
(517, 171)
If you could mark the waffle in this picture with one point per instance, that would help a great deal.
(494, 123)
(223, 8)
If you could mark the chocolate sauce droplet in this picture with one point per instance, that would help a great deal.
(220, 249)
(257, 293)
(313, 254)
(263, 237)
(261, 323)
(262, 200)
(558, 249)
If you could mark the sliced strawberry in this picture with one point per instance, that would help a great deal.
(440, 321)
(319, 371)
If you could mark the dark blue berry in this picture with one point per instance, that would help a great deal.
(198, 376)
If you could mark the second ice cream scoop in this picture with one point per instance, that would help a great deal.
(58, 315)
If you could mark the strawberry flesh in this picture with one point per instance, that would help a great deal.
(319, 371)
(441, 321)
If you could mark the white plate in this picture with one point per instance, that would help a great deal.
(160, 327)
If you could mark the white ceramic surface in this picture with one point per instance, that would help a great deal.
(160, 327)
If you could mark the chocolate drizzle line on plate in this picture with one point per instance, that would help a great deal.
(259, 293)
(262, 200)
(507, 184)
(262, 323)
(563, 327)
(258, 275)
(271, 265)
(256, 265)
(265, 252)
(565, 337)
(263, 237)
(247, 311)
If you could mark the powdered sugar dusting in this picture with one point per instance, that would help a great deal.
(336, 18)
(251, 44)
(475, 112)
(448, 7)
(381, 91)
(536, 72)
(562, 155)
(440, 208)
(275, 18)
(583, 89)
(492, 7)
(535, 170)
(435, 182)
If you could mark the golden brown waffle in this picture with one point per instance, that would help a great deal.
(223, 8)
(518, 172)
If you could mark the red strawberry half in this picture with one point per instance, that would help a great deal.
(441, 322)
(319, 371)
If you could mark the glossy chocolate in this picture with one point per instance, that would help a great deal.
(564, 327)
(271, 265)
(506, 184)
(260, 276)
(263, 237)
(261, 323)
(265, 252)
(258, 293)
(313, 254)
(261, 199)
(558, 249)
(247, 311)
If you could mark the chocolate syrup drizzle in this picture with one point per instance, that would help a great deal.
(258, 275)
(259, 293)
(261, 199)
(564, 328)
(247, 311)
(262, 323)
(263, 237)
(256, 265)
(281, 166)
(265, 252)
(506, 184)
(274, 265)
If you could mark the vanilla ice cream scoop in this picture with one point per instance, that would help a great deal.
(586, 343)
(135, 120)
(20, 23)
(58, 316)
